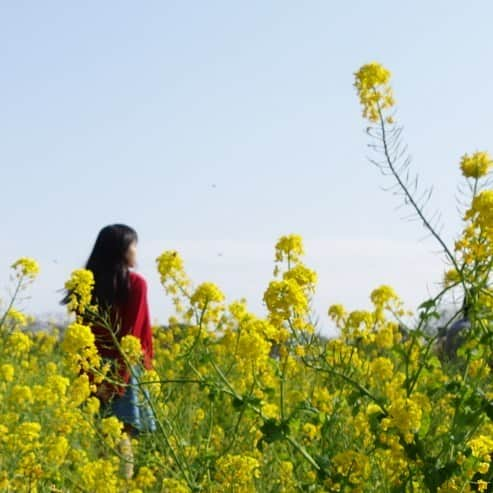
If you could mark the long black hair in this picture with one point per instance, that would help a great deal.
(109, 266)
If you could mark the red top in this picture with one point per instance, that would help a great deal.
(134, 319)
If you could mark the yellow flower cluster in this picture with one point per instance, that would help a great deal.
(16, 319)
(112, 429)
(169, 264)
(145, 478)
(80, 287)
(310, 430)
(481, 447)
(303, 276)
(353, 465)
(26, 267)
(289, 248)
(7, 372)
(78, 344)
(251, 347)
(19, 343)
(474, 250)
(482, 210)
(405, 415)
(288, 299)
(206, 302)
(237, 473)
(206, 293)
(131, 348)
(285, 299)
(476, 165)
(173, 277)
(77, 337)
(375, 93)
(385, 298)
(45, 426)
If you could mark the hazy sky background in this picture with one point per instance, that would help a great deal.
(215, 127)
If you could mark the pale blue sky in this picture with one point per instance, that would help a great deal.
(217, 126)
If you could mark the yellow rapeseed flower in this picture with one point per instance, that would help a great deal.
(375, 93)
(26, 267)
(28, 430)
(481, 447)
(305, 277)
(145, 478)
(482, 210)
(7, 372)
(80, 287)
(19, 343)
(206, 293)
(283, 298)
(310, 430)
(77, 337)
(173, 277)
(16, 319)
(289, 247)
(236, 472)
(476, 165)
(132, 348)
(80, 350)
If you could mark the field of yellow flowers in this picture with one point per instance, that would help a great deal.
(248, 404)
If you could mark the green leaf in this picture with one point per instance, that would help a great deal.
(238, 402)
(427, 304)
(434, 362)
(488, 408)
(272, 431)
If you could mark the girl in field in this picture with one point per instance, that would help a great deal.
(122, 294)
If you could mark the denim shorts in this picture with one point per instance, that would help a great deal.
(133, 406)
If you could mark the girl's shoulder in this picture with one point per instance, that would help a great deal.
(137, 279)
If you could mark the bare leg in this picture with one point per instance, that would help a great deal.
(125, 449)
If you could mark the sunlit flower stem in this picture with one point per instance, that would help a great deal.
(149, 400)
(12, 300)
(408, 194)
(231, 391)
